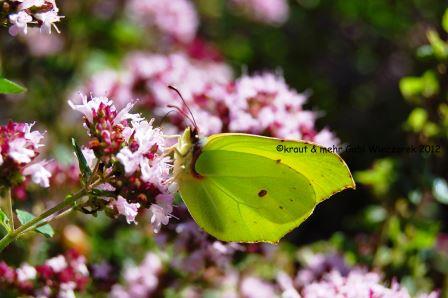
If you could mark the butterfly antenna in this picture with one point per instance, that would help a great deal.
(181, 112)
(165, 116)
(185, 104)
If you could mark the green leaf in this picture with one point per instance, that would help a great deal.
(445, 21)
(439, 47)
(25, 217)
(86, 172)
(430, 84)
(427, 85)
(4, 221)
(417, 120)
(380, 177)
(411, 86)
(9, 87)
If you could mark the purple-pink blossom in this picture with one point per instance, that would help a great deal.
(19, 146)
(130, 151)
(175, 18)
(273, 12)
(128, 210)
(259, 104)
(36, 13)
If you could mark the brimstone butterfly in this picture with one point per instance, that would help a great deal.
(242, 188)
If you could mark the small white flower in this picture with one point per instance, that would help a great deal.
(57, 263)
(129, 159)
(33, 136)
(161, 212)
(146, 137)
(30, 3)
(129, 210)
(125, 115)
(67, 290)
(39, 174)
(48, 19)
(157, 172)
(19, 152)
(19, 22)
(90, 157)
(26, 272)
(88, 106)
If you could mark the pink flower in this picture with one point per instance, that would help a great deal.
(147, 141)
(30, 3)
(129, 210)
(88, 107)
(48, 20)
(18, 147)
(252, 287)
(60, 276)
(356, 284)
(326, 138)
(58, 263)
(176, 18)
(34, 12)
(25, 273)
(19, 152)
(19, 22)
(90, 157)
(140, 281)
(39, 174)
(161, 212)
(33, 136)
(274, 12)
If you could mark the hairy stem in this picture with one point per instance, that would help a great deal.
(13, 235)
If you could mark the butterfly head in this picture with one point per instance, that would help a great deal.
(188, 149)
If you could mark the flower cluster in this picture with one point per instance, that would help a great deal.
(259, 104)
(63, 175)
(264, 104)
(126, 155)
(330, 277)
(196, 250)
(142, 280)
(38, 13)
(273, 12)
(175, 18)
(18, 148)
(60, 276)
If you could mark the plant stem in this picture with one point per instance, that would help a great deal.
(56, 217)
(12, 236)
(8, 206)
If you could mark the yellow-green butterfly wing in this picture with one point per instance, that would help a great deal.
(244, 190)
(326, 171)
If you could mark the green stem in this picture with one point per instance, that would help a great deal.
(12, 236)
(8, 206)
(56, 217)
